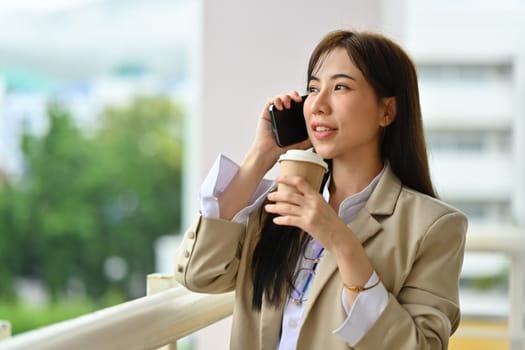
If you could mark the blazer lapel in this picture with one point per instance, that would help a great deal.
(326, 268)
(271, 319)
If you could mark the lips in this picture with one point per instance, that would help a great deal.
(322, 131)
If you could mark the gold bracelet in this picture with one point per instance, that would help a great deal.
(359, 289)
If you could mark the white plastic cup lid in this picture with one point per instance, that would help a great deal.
(304, 156)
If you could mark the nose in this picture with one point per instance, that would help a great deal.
(319, 103)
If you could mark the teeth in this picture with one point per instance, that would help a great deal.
(322, 128)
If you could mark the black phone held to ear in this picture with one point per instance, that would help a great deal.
(288, 125)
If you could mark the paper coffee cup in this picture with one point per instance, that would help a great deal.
(305, 164)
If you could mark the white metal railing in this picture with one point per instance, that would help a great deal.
(5, 329)
(174, 312)
(145, 323)
(511, 243)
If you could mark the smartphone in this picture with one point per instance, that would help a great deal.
(288, 125)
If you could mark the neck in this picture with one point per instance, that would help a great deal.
(349, 178)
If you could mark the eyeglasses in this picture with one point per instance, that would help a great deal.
(311, 256)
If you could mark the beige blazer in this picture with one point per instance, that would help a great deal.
(414, 242)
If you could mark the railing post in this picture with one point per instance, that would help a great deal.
(5, 329)
(517, 303)
(158, 282)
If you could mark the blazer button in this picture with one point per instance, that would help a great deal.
(191, 235)
(186, 254)
(180, 268)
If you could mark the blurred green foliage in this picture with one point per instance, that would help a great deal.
(24, 318)
(87, 195)
(498, 281)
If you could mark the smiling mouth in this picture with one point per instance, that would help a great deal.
(322, 129)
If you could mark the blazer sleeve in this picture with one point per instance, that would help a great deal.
(208, 257)
(425, 312)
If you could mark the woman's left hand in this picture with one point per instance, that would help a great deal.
(307, 210)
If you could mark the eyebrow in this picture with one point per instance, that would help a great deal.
(334, 77)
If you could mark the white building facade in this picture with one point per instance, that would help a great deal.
(471, 64)
(471, 57)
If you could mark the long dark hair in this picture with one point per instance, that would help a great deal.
(274, 259)
(391, 73)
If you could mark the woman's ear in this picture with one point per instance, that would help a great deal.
(389, 111)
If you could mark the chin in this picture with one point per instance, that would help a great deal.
(323, 152)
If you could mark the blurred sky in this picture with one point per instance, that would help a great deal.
(79, 38)
(88, 53)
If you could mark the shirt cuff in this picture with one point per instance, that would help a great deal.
(219, 177)
(365, 311)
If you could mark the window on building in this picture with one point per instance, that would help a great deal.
(465, 72)
(476, 141)
(485, 211)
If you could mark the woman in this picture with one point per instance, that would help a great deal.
(371, 262)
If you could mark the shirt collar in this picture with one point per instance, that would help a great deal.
(351, 205)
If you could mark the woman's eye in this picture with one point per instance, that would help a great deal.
(312, 89)
(341, 87)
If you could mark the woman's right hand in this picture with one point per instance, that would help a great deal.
(264, 145)
(260, 158)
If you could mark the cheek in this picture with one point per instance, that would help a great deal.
(365, 113)
(307, 111)
(362, 120)
(307, 107)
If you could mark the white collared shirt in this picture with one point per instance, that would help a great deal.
(367, 307)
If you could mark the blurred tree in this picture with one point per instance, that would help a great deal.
(84, 199)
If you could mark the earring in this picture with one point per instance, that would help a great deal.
(386, 118)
